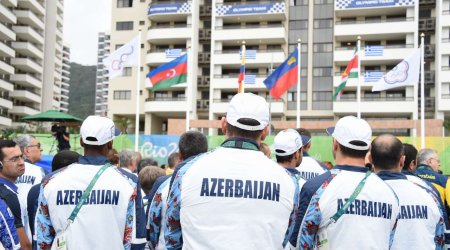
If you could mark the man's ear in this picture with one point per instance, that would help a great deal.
(402, 161)
(264, 133)
(81, 142)
(223, 125)
(110, 145)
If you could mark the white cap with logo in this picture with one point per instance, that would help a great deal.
(250, 106)
(98, 130)
(352, 132)
(287, 142)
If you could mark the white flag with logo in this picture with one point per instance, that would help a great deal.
(404, 74)
(127, 55)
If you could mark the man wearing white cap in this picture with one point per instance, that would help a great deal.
(233, 197)
(91, 204)
(288, 148)
(339, 206)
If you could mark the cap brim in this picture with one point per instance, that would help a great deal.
(305, 139)
(330, 130)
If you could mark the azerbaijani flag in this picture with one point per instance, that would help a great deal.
(350, 72)
(169, 74)
(241, 76)
(284, 77)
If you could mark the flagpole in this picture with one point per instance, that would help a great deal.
(358, 86)
(270, 96)
(299, 44)
(243, 60)
(188, 83)
(422, 93)
(138, 78)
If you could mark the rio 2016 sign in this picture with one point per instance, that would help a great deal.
(353, 4)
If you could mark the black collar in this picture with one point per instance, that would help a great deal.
(351, 168)
(388, 175)
(240, 143)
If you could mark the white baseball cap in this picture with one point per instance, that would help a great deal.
(251, 106)
(352, 132)
(98, 130)
(287, 142)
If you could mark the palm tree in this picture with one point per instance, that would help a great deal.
(122, 124)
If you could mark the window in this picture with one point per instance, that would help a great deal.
(126, 71)
(323, 23)
(124, 25)
(298, 25)
(141, 22)
(323, 1)
(322, 71)
(118, 46)
(122, 95)
(323, 47)
(124, 3)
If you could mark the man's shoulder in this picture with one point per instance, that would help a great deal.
(432, 177)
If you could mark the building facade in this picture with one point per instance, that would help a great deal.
(31, 50)
(215, 30)
(101, 82)
(65, 80)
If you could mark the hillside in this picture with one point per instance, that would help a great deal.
(82, 90)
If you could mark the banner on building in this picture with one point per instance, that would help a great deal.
(352, 4)
(169, 8)
(243, 9)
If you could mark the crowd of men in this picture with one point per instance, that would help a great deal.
(380, 194)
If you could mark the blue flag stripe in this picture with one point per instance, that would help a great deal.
(169, 65)
(281, 70)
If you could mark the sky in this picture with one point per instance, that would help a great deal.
(83, 20)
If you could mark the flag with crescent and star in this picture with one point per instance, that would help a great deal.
(169, 74)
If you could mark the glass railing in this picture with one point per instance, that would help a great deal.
(390, 20)
(165, 99)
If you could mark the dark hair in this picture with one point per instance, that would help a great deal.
(386, 152)
(410, 155)
(304, 132)
(353, 153)
(192, 143)
(5, 144)
(113, 157)
(64, 158)
(286, 158)
(172, 160)
(146, 162)
(242, 133)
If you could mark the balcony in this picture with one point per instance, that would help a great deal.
(26, 80)
(164, 12)
(220, 106)
(10, 3)
(444, 102)
(6, 51)
(166, 34)
(271, 34)
(29, 34)
(6, 15)
(390, 53)
(33, 5)
(274, 11)
(157, 56)
(380, 105)
(6, 68)
(445, 46)
(27, 49)
(23, 110)
(6, 86)
(27, 64)
(374, 29)
(6, 33)
(263, 58)
(165, 104)
(4, 103)
(5, 121)
(230, 81)
(26, 96)
(26, 17)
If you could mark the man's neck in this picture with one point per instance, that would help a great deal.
(357, 162)
(287, 165)
(13, 180)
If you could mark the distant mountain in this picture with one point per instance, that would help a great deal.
(82, 90)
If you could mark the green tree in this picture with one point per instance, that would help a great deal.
(122, 124)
